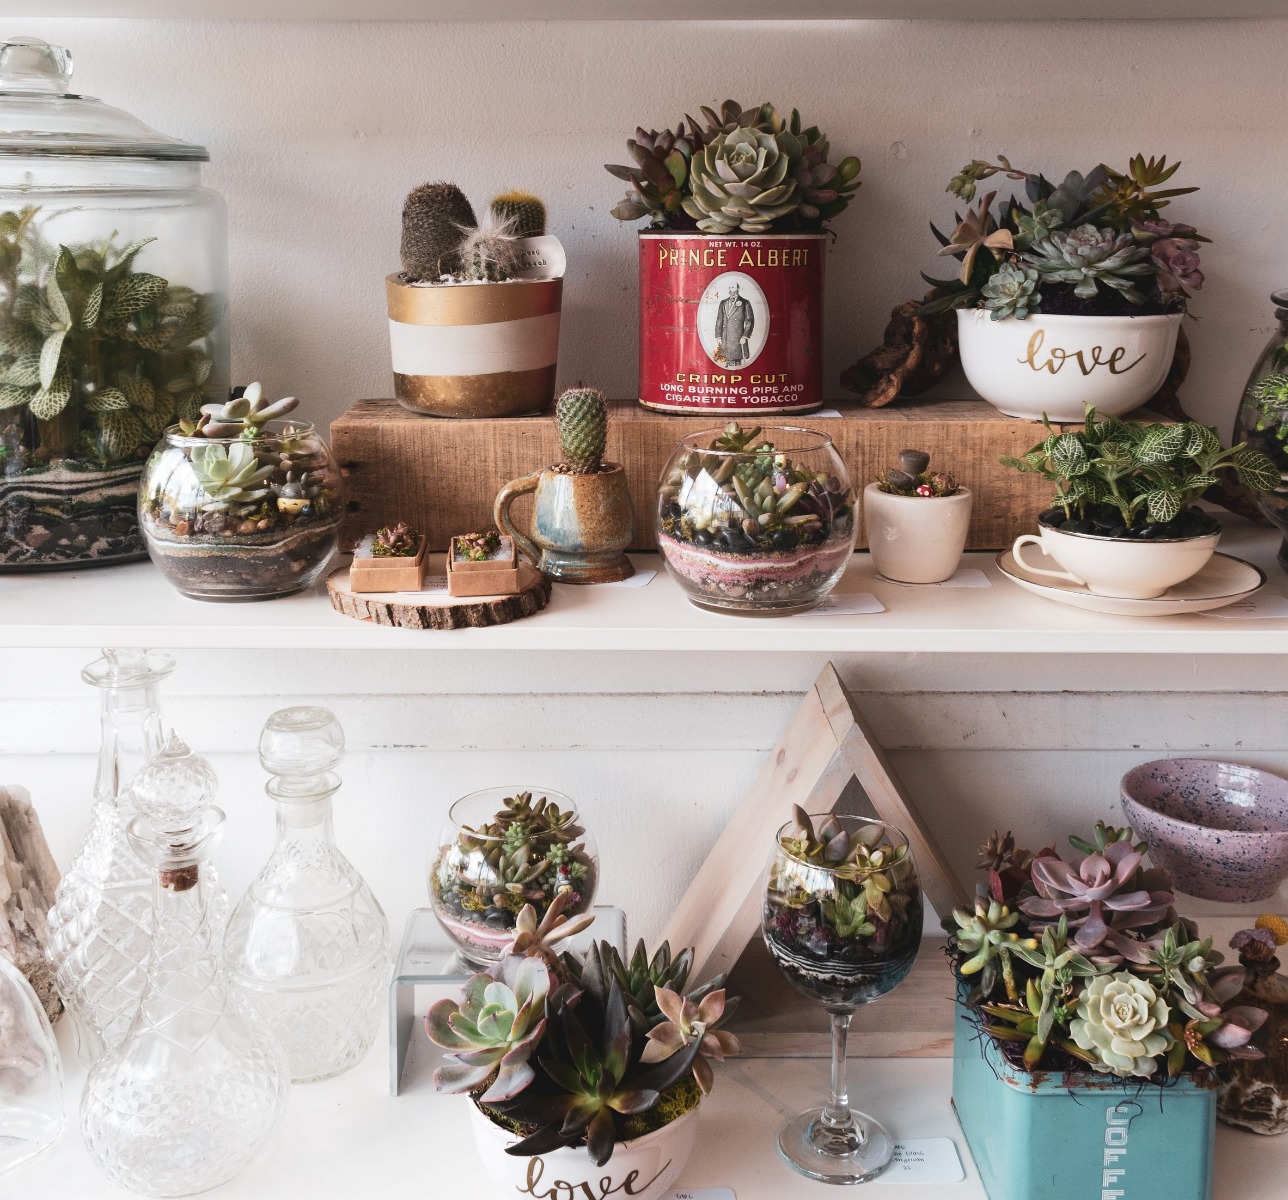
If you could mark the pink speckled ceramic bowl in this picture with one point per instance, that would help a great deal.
(1220, 828)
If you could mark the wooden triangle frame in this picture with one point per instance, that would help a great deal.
(827, 744)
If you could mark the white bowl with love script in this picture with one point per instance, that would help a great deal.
(644, 1168)
(1059, 364)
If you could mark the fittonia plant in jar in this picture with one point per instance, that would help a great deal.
(113, 267)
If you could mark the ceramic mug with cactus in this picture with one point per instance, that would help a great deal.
(582, 519)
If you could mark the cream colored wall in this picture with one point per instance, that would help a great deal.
(317, 130)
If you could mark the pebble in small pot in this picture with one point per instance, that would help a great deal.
(916, 521)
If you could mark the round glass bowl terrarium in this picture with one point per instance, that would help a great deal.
(757, 521)
(113, 278)
(502, 848)
(242, 518)
(1263, 418)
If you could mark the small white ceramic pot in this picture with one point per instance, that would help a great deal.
(916, 539)
(1124, 567)
(1059, 364)
(643, 1169)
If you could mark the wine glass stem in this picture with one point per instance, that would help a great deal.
(836, 1115)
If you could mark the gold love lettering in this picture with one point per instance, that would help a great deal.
(1087, 361)
(561, 1189)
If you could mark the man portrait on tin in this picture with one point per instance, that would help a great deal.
(734, 323)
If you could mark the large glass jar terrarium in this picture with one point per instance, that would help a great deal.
(113, 266)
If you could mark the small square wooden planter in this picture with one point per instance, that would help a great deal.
(387, 573)
(497, 575)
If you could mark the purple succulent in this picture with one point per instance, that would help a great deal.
(1112, 907)
(1177, 263)
(1237, 1027)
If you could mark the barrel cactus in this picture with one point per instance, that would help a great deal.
(489, 253)
(524, 212)
(435, 218)
(743, 181)
(582, 416)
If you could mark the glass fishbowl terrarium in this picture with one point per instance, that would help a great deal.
(113, 278)
(503, 848)
(757, 521)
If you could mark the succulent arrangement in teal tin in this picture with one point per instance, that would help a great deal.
(756, 520)
(243, 502)
(577, 1064)
(501, 851)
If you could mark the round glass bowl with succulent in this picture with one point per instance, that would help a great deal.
(916, 521)
(501, 849)
(1071, 294)
(585, 1072)
(757, 521)
(241, 504)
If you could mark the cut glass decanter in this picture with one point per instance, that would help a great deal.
(308, 946)
(31, 1075)
(194, 1092)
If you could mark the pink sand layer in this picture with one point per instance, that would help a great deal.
(708, 570)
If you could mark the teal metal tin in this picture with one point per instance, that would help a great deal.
(1043, 1136)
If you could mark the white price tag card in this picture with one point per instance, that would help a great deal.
(964, 577)
(925, 1160)
(639, 579)
(1262, 605)
(825, 413)
(846, 604)
(716, 1193)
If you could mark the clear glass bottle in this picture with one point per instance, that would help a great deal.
(193, 1094)
(100, 925)
(113, 299)
(32, 1117)
(308, 946)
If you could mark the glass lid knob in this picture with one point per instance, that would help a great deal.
(301, 741)
(29, 65)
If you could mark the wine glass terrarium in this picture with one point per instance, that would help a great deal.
(842, 921)
(502, 848)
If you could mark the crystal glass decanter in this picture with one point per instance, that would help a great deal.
(308, 946)
(100, 924)
(193, 1093)
(31, 1075)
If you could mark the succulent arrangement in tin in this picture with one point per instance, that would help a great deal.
(756, 518)
(240, 502)
(740, 171)
(913, 477)
(593, 1051)
(1094, 244)
(96, 359)
(843, 911)
(1130, 479)
(444, 242)
(519, 850)
(1082, 963)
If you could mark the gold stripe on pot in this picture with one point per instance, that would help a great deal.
(504, 394)
(472, 304)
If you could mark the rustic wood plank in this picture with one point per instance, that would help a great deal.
(913, 1021)
(28, 879)
(888, 797)
(442, 475)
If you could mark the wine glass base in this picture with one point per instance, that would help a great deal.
(809, 1146)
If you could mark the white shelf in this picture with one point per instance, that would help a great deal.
(659, 10)
(347, 1139)
(133, 605)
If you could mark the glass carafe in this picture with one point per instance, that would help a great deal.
(1263, 418)
(308, 946)
(194, 1092)
(101, 921)
(113, 285)
(31, 1075)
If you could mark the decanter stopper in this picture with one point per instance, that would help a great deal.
(298, 745)
(177, 825)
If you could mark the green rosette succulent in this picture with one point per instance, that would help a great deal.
(493, 1032)
(232, 477)
(1012, 291)
(1088, 257)
(743, 180)
(1122, 1022)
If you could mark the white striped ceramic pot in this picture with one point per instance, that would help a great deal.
(474, 349)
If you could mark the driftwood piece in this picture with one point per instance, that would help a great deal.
(916, 354)
(28, 879)
(418, 611)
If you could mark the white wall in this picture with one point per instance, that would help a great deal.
(316, 131)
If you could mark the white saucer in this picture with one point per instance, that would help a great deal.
(1222, 581)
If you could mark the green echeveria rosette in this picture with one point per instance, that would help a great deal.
(1012, 291)
(1122, 1022)
(742, 182)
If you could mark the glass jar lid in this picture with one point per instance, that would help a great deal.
(39, 117)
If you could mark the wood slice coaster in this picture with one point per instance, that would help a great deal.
(438, 610)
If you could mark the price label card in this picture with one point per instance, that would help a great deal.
(925, 1160)
(638, 580)
(964, 577)
(715, 1193)
(1262, 605)
(847, 603)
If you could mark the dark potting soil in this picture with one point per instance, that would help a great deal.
(1108, 522)
(1061, 301)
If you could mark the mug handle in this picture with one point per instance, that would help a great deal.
(501, 514)
(1026, 539)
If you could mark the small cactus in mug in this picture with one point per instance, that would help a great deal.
(582, 416)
